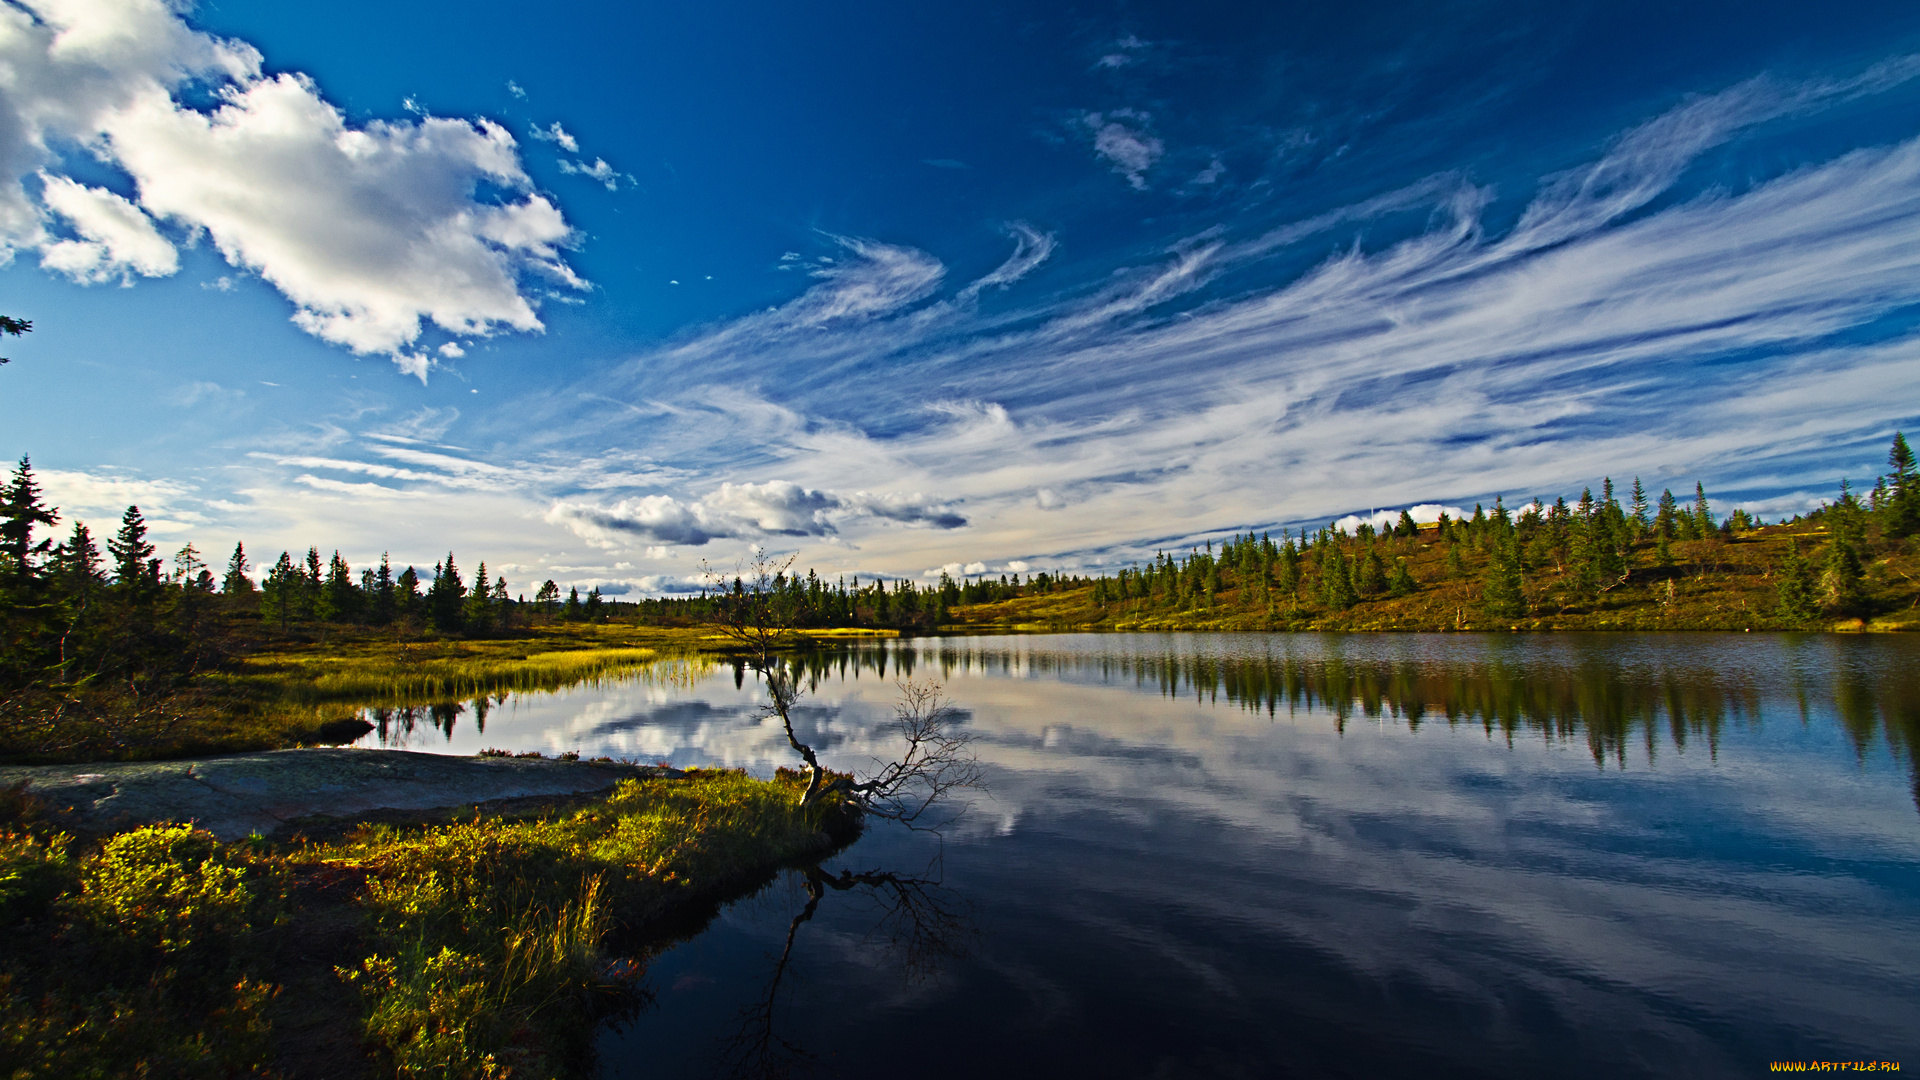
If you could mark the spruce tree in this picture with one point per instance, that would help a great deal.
(280, 593)
(1902, 518)
(237, 581)
(1336, 581)
(1501, 593)
(478, 610)
(382, 603)
(22, 508)
(1407, 526)
(445, 596)
(1638, 510)
(1796, 602)
(1841, 574)
(134, 567)
(1401, 583)
(1702, 514)
(1373, 574)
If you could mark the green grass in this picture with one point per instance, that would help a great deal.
(1713, 585)
(484, 948)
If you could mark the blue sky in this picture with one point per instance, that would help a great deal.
(601, 292)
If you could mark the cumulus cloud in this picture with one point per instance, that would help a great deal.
(774, 508)
(599, 170)
(116, 239)
(556, 134)
(1122, 138)
(1381, 520)
(370, 230)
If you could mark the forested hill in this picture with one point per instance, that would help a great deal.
(1594, 564)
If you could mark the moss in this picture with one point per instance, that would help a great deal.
(479, 948)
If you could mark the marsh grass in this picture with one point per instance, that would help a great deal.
(412, 675)
(483, 948)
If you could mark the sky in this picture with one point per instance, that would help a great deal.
(615, 294)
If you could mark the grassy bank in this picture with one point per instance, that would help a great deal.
(304, 688)
(1724, 583)
(486, 947)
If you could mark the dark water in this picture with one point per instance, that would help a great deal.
(1341, 855)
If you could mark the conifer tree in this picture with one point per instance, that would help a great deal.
(1796, 601)
(1401, 583)
(280, 593)
(1336, 581)
(1902, 518)
(407, 602)
(572, 610)
(1455, 567)
(445, 596)
(478, 610)
(1841, 574)
(237, 581)
(1501, 594)
(1407, 526)
(1637, 516)
(1702, 514)
(135, 570)
(592, 608)
(381, 601)
(21, 509)
(1373, 574)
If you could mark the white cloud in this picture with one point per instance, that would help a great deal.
(369, 230)
(514, 89)
(116, 239)
(599, 170)
(452, 350)
(1031, 247)
(558, 135)
(1382, 520)
(774, 508)
(1018, 566)
(1130, 149)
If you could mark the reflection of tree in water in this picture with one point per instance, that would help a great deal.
(920, 922)
(396, 726)
(1589, 691)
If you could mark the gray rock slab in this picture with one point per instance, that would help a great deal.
(242, 794)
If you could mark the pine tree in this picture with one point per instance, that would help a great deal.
(22, 508)
(238, 581)
(478, 610)
(1401, 583)
(1373, 574)
(1667, 521)
(1796, 601)
(1406, 526)
(1336, 581)
(1702, 514)
(1501, 594)
(572, 611)
(1637, 515)
(340, 598)
(135, 570)
(381, 601)
(1840, 578)
(280, 592)
(592, 608)
(1902, 518)
(445, 596)
(407, 602)
(1455, 567)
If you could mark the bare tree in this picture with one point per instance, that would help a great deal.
(756, 610)
(939, 758)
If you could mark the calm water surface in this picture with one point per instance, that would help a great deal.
(1316, 855)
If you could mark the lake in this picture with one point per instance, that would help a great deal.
(1299, 854)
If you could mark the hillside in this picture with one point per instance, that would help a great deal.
(1730, 581)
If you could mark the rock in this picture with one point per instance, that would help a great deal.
(239, 795)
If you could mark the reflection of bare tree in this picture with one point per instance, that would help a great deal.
(920, 921)
(757, 611)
